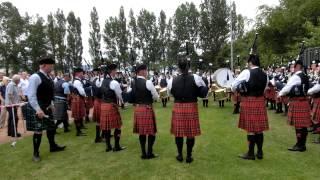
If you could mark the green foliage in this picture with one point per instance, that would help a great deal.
(95, 38)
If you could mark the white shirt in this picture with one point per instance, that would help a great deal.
(244, 76)
(115, 86)
(293, 81)
(99, 82)
(34, 82)
(23, 86)
(315, 89)
(198, 80)
(151, 88)
(79, 86)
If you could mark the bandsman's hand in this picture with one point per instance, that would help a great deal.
(40, 114)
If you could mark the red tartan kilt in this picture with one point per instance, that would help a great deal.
(96, 110)
(253, 115)
(89, 102)
(235, 97)
(299, 112)
(272, 95)
(110, 117)
(144, 120)
(185, 120)
(316, 110)
(77, 107)
(267, 93)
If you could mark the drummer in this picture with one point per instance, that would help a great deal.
(163, 91)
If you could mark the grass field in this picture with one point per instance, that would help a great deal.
(215, 153)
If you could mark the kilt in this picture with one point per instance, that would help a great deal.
(316, 110)
(110, 117)
(60, 109)
(96, 110)
(144, 120)
(185, 120)
(299, 112)
(77, 107)
(33, 123)
(89, 102)
(272, 95)
(253, 115)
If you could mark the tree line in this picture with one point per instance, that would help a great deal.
(157, 40)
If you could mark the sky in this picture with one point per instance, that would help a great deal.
(106, 8)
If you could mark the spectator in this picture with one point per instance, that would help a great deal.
(12, 97)
(3, 113)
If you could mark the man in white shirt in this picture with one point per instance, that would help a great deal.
(78, 99)
(144, 118)
(315, 93)
(299, 107)
(110, 117)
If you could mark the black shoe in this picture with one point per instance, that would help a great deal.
(57, 148)
(36, 158)
(109, 148)
(98, 140)
(179, 158)
(297, 148)
(259, 155)
(189, 159)
(246, 156)
(144, 156)
(152, 156)
(116, 149)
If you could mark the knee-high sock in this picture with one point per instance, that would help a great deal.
(304, 135)
(190, 144)
(50, 136)
(299, 137)
(117, 134)
(142, 140)
(259, 141)
(179, 143)
(36, 143)
(151, 140)
(107, 134)
(251, 143)
(97, 131)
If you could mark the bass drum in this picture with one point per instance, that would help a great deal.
(223, 77)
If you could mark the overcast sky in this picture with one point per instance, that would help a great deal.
(108, 8)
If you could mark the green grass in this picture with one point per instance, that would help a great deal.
(215, 153)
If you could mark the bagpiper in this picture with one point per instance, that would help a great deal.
(299, 107)
(110, 117)
(39, 108)
(251, 84)
(144, 117)
(185, 89)
(61, 99)
(78, 100)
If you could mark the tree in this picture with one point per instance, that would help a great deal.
(60, 40)
(11, 28)
(147, 33)
(74, 41)
(95, 37)
(37, 41)
(133, 40)
(214, 16)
